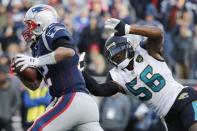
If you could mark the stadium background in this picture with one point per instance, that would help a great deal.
(85, 20)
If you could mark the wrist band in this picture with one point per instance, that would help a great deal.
(127, 29)
(47, 59)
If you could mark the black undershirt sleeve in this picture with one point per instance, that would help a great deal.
(109, 78)
(105, 89)
(63, 42)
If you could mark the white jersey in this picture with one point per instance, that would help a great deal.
(151, 81)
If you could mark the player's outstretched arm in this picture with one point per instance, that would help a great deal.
(106, 89)
(54, 57)
(154, 34)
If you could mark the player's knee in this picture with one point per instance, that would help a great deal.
(193, 127)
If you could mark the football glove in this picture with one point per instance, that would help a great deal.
(28, 61)
(81, 64)
(25, 61)
(117, 25)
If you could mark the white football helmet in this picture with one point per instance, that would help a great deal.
(37, 19)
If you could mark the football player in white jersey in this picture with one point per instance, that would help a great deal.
(140, 70)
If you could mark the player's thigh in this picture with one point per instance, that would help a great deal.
(92, 126)
(54, 117)
(87, 108)
(82, 110)
(193, 127)
(189, 116)
(175, 125)
(70, 111)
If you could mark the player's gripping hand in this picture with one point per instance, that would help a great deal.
(25, 61)
(12, 67)
(120, 27)
(81, 64)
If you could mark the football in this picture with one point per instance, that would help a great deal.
(28, 74)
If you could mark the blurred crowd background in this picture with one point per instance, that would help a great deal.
(19, 106)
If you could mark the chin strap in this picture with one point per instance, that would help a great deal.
(124, 63)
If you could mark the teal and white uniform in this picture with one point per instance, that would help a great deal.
(151, 81)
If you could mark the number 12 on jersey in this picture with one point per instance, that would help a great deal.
(153, 81)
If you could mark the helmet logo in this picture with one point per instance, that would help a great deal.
(139, 59)
(39, 9)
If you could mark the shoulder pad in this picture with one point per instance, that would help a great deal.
(54, 32)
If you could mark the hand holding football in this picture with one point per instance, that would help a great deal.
(28, 74)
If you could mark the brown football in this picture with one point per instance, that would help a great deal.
(28, 74)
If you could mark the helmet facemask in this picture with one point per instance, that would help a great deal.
(28, 34)
(120, 54)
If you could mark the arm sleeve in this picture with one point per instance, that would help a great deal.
(109, 78)
(46, 99)
(106, 89)
(63, 42)
(28, 102)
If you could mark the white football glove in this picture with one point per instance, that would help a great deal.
(25, 61)
(119, 26)
(28, 61)
(81, 63)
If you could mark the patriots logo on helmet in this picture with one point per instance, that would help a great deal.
(39, 9)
